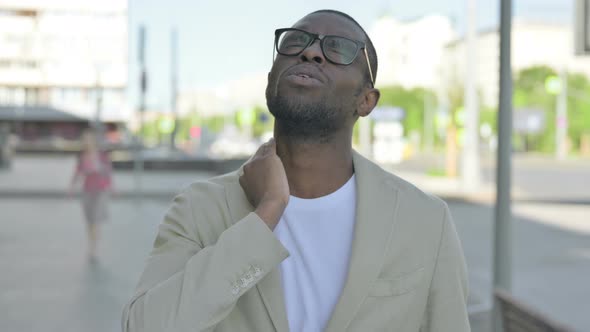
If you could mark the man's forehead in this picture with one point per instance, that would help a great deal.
(330, 24)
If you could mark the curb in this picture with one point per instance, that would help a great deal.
(60, 194)
(475, 198)
(51, 194)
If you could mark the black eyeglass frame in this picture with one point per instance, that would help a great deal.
(321, 38)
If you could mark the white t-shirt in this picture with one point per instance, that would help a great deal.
(318, 235)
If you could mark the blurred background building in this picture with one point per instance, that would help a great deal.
(63, 66)
(410, 52)
(535, 43)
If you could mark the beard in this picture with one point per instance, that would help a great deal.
(306, 122)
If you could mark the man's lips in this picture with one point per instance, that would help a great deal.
(304, 75)
(302, 79)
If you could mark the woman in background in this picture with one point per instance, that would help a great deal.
(94, 167)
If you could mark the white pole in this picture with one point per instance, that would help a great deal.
(470, 172)
(98, 114)
(138, 148)
(174, 85)
(365, 136)
(428, 133)
(561, 120)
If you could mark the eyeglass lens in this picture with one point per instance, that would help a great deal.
(337, 49)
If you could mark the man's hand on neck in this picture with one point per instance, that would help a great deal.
(265, 184)
(306, 170)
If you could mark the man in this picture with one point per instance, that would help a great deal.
(308, 235)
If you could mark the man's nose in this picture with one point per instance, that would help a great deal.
(313, 53)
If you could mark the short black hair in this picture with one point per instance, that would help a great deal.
(370, 48)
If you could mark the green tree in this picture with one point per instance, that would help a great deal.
(578, 108)
(412, 101)
(529, 91)
(214, 123)
(260, 126)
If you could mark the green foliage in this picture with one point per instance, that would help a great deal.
(436, 172)
(184, 123)
(214, 123)
(490, 116)
(578, 108)
(183, 126)
(355, 134)
(150, 131)
(532, 79)
(259, 126)
(529, 91)
(413, 102)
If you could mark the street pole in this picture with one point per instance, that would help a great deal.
(174, 86)
(470, 167)
(428, 125)
(561, 120)
(142, 80)
(138, 148)
(98, 114)
(503, 211)
(365, 136)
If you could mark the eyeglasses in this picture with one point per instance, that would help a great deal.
(336, 49)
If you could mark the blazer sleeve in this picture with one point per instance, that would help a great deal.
(447, 299)
(186, 286)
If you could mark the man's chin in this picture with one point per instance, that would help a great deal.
(289, 108)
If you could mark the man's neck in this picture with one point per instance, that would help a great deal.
(315, 170)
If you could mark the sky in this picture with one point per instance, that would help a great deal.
(219, 41)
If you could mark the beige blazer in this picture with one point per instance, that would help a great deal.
(215, 264)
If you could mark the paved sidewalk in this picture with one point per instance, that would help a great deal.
(47, 285)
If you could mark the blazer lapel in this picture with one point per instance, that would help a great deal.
(270, 287)
(375, 218)
(271, 290)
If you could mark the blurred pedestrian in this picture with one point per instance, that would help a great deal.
(94, 168)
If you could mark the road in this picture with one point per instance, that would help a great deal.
(537, 177)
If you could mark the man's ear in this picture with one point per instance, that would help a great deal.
(368, 101)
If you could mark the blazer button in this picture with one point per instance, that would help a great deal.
(243, 282)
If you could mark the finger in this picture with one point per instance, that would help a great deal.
(266, 148)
